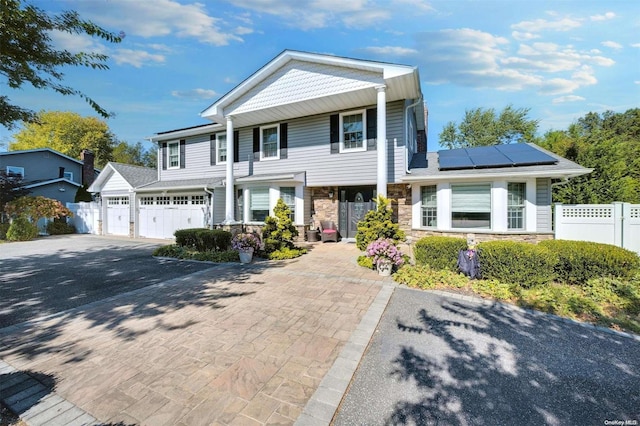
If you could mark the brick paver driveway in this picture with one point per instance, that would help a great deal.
(230, 345)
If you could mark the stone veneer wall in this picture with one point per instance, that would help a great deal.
(322, 206)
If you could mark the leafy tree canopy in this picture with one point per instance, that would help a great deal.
(483, 127)
(135, 154)
(27, 54)
(610, 144)
(68, 133)
(11, 188)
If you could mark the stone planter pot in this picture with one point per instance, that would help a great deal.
(385, 268)
(246, 255)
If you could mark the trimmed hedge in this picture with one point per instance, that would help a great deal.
(21, 229)
(439, 252)
(519, 263)
(60, 227)
(580, 261)
(203, 239)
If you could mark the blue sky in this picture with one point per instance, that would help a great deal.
(561, 59)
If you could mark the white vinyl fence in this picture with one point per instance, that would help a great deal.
(85, 217)
(617, 224)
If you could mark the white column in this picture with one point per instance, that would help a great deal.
(382, 141)
(229, 216)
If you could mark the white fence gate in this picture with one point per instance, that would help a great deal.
(85, 217)
(617, 224)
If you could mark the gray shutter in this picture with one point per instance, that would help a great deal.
(164, 156)
(183, 149)
(284, 130)
(212, 150)
(334, 133)
(372, 129)
(256, 144)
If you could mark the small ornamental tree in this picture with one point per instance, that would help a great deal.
(36, 208)
(279, 231)
(377, 224)
(11, 188)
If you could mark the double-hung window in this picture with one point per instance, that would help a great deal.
(429, 196)
(269, 142)
(221, 148)
(352, 131)
(288, 195)
(471, 205)
(516, 204)
(258, 204)
(174, 155)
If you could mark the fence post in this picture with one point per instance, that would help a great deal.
(625, 225)
(557, 225)
(617, 223)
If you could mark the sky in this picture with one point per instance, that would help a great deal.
(561, 59)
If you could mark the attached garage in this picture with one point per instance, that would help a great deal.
(118, 215)
(159, 216)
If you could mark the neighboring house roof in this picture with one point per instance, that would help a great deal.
(426, 167)
(184, 184)
(134, 175)
(24, 151)
(50, 182)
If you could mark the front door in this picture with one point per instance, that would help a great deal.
(354, 204)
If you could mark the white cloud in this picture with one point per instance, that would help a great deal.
(159, 18)
(568, 98)
(538, 25)
(636, 82)
(136, 58)
(390, 51)
(635, 45)
(229, 80)
(612, 44)
(605, 17)
(76, 43)
(520, 36)
(416, 5)
(195, 94)
(243, 30)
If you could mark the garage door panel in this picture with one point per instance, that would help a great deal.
(161, 221)
(118, 214)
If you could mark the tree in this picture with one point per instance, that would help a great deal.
(378, 224)
(11, 188)
(36, 208)
(28, 56)
(68, 133)
(134, 154)
(482, 127)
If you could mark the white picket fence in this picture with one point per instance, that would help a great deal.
(85, 217)
(617, 224)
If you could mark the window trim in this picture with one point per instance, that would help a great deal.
(169, 145)
(68, 178)
(363, 114)
(13, 171)
(262, 129)
(218, 145)
(423, 208)
(491, 213)
(251, 210)
(522, 206)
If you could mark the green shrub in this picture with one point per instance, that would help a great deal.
(169, 251)
(495, 289)
(21, 229)
(580, 261)
(178, 252)
(378, 224)
(563, 300)
(286, 253)
(422, 276)
(439, 252)
(203, 239)
(514, 262)
(278, 234)
(4, 227)
(365, 262)
(60, 227)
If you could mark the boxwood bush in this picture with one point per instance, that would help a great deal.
(515, 262)
(21, 229)
(203, 239)
(580, 261)
(439, 252)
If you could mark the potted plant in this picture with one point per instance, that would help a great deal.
(246, 244)
(385, 255)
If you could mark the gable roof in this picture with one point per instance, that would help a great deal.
(27, 151)
(426, 168)
(297, 84)
(134, 175)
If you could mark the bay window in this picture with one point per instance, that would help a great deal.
(258, 204)
(288, 195)
(471, 205)
(516, 204)
(429, 196)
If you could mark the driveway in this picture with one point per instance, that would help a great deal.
(53, 274)
(438, 358)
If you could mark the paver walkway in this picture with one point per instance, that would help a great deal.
(230, 345)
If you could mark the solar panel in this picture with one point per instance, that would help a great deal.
(511, 155)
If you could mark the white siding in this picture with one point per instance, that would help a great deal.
(116, 183)
(543, 205)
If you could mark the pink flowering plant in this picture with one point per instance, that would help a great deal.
(384, 251)
(245, 241)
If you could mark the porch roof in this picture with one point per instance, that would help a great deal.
(182, 185)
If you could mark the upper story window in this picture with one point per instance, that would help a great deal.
(471, 205)
(15, 171)
(516, 204)
(269, 138)
(68, 176)
(174, 155)
(221, 148)
(353, 131)
(429, 196)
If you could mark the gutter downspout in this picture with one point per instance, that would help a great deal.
(210, 206)
(406, 139)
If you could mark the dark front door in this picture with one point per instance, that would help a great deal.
(355, 202)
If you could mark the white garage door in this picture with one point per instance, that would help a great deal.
(161, 215)
(118, 215)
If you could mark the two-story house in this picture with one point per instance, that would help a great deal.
(327, 134)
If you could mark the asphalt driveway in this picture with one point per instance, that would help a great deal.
(445, 359)
(53, 274)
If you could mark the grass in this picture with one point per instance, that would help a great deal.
(607, 302)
